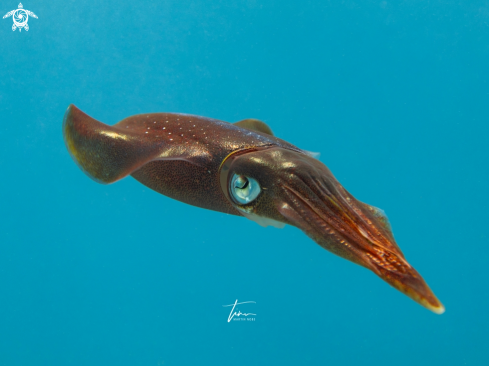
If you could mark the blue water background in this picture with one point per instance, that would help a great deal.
(393, 94)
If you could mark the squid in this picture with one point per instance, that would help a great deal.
(243, 169)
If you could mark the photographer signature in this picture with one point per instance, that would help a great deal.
(232, 314)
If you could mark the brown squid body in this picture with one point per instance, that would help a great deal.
(242, 169)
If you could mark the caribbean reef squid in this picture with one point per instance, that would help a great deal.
(243, 169)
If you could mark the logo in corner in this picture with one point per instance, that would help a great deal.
(20, 17)
(238, 315)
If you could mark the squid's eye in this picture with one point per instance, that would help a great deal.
(244, 189)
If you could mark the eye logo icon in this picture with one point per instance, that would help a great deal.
(20, 17)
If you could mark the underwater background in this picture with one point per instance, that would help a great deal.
(393, 94)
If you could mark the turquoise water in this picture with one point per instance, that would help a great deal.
(393, 94)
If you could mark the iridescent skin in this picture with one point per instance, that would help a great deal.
(192, 159)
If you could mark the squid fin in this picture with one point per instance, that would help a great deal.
(105, 153)
(254, 125)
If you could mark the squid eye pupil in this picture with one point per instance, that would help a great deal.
(241, 182)
(244, 189)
